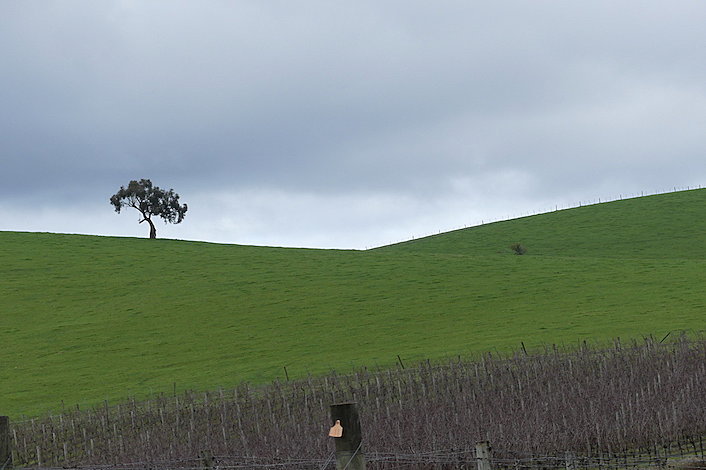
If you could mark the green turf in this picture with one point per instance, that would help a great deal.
(84, 318)
(663, 226)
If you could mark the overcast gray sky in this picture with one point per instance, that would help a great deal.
(343, 124)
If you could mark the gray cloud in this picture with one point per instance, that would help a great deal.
(282, 111)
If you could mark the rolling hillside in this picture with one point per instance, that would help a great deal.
(664, 226)
(87, 318)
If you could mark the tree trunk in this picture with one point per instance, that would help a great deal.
(153, 229)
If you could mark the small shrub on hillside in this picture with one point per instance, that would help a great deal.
(518, 248)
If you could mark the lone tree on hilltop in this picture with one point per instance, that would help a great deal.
(149, 200)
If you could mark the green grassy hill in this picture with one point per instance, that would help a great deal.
(84, 318)
(664, 226)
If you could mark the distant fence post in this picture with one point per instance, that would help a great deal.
(5, 448)
(206, 459)
(570, 461)
(349, 452)
(483, 455)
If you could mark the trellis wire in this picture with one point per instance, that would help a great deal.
(643, 399)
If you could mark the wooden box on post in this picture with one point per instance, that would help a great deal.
(5, 448)
(349, 451)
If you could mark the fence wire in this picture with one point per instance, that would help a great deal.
(645, 396)
(441, 459)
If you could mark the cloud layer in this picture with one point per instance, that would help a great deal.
(343, 125)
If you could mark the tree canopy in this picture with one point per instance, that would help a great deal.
(150, 201)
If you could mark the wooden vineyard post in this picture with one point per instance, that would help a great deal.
(5, 448)
(483, 455)
(347, 433)
(206, 460)
(570, 461)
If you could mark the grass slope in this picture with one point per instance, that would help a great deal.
(664, 226)
(86, 318)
